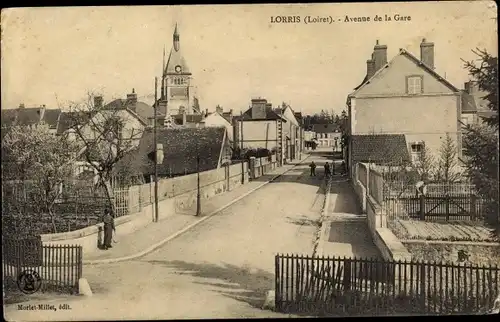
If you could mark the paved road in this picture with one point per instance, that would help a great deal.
(219, 269)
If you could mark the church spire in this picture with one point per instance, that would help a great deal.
(176, 38)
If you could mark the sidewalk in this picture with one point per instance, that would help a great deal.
(346, 231)
(154, 235)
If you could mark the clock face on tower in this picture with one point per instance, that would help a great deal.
(178, 69)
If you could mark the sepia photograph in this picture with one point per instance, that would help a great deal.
(250, 161)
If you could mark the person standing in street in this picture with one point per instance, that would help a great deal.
(327, 170)
(109, 228)
(313, 169)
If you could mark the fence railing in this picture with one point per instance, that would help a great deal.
(58, 266)
(353, 286)
(403, 189)
(400, 199)
(436, 208)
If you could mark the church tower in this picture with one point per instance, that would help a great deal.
(176, 79)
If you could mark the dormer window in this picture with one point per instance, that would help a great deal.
(414, 85)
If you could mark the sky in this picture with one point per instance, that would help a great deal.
(52, 56)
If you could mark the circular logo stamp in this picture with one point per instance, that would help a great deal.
(29, 281)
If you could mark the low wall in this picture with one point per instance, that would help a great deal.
(260, 166)
(212, 183)
(387, 243)
(360, 191)
(446, 251)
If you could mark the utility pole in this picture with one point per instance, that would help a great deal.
(241, 149)
(198, 196)
(156, 149)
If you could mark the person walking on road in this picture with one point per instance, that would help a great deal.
(313, 169)
(109, 227)
(327, 170)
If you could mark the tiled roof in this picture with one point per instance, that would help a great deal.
(66, 120)
(298, 116)
(325, 128)
(51, 117)
(181, 146)
(8, 117)
(29, 116)
(468, 103)
(142, 110)
(379, 148)
(228, 116)
(270, 115)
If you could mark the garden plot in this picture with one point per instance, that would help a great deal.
(451, 231)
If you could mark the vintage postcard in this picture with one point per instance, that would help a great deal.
(252, 160)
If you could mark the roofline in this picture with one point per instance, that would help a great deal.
(261, 120)
(128, 109)
(421, 64)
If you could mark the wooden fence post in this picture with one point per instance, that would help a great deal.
(422, 207)
(422, 292)
(347, 274)
(277, 295)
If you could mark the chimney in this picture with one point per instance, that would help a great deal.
(427, 53)
(231, 111)
(269, 106)
(206, 112)
(97, 101)
(471, 87)
(370, 68)
(132, 100)
(21, 105)
(219, 109)
(379, 55)
(259, 108)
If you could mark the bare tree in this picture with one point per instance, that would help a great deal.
(105, 134)
(447, 165)
(39, 162)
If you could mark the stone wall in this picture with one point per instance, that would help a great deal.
(475, 253)
(176, 195)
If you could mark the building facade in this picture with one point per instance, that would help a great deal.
(260, 127)
(327, 136)
(217, 119)
(406, 96)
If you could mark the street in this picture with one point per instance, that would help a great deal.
(219, 269)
